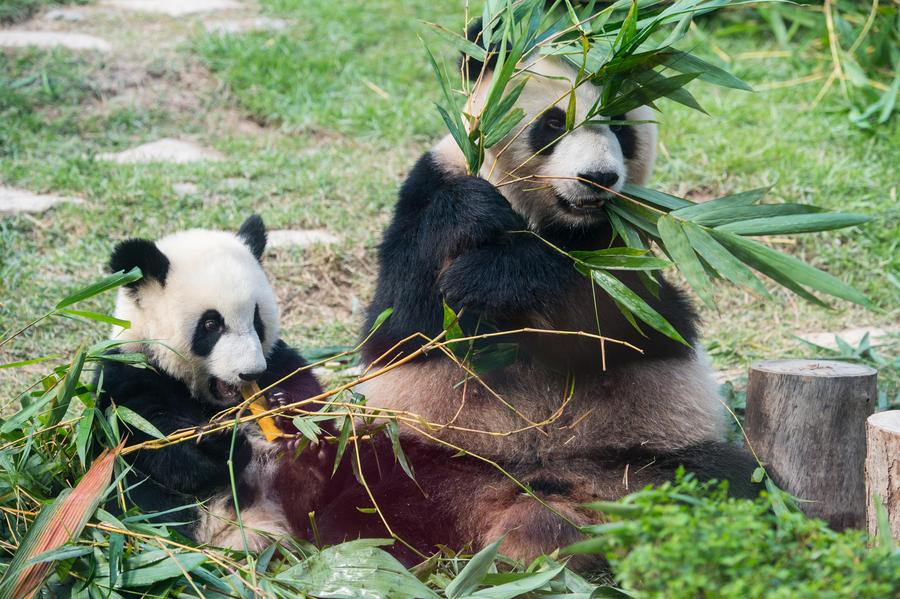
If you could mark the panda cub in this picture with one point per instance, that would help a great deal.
(569, 428)
(206, 317)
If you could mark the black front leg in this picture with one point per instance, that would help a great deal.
(512, 276)
(194, 467)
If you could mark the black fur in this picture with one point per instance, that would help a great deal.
(546, 130)
(258, 325)
(626, 135)
(457, 239)
(141, 253)
(204, 341)
(183, 473)
(253, 234)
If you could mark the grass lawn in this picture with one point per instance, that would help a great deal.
(318, 123)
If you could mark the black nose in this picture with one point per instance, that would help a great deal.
(601, 178)
(251, 376)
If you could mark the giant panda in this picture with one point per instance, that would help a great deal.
(459, 239)
(207, 320)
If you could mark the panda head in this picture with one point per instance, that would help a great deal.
(204, 311)
(552, 177)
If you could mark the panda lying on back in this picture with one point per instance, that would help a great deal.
(211, 317)
(454, 238)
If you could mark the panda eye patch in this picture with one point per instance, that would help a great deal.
(210, 327)
(554, 119)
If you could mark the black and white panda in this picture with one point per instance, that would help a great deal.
(457, 239)
(206, 317)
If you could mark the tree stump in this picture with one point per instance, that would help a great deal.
(883, 469)
(806, 422)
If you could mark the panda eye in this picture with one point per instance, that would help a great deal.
(555, 124)
(211, 326)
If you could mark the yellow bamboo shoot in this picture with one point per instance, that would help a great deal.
(266, 424)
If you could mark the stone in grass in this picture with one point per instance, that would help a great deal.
(299, 237)
(185, 189)
(17, 201)
(64, 14)
(175, 8)
(173, 151)
(52, 39)
(242, 25)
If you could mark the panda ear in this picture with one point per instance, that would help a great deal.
(253, 234)
(475, 66)
(144, 254)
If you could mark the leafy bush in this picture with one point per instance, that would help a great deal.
(690, 540)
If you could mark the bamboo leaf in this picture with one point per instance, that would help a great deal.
(393, 431)
(516, 588)
(794, 224)
(459, 42)
(721, 260)
(96, 316)
(635, 303)
(724, 215)
(620, 259)
(346, 427)
(746, 198)
(656, 198)
(679, 248)
(83, 434)
(471, 576)
(129, 416)
(789, 268)
(105, 284)
(172, 566)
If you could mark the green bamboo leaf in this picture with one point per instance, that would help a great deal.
(685, 62)
(30, 362)
(503, 127)
(469, 579)
(105, 284)
(679, 248)
(746, 198)
(646, 94)
(790, 268)
(129, 416)
(620, 259)
(459, 42)
(393, 431)
(724, 215)
(342, 442)
(793, 224)
(635, 303)
(380, 320)
(656, 198)
(173, 566)
(96, 316)
(522, 586)
(721, 260)
(67, 390)
(83, 434)
(640, 217)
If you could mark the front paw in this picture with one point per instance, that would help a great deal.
(479, 212)
(278, 397)
(461, 289)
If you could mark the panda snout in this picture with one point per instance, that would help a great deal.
(251, 376)
(598, 181)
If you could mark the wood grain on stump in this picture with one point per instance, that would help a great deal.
(883, 469)
(806, 419)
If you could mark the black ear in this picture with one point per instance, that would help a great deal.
(253, 234)
(473, 34)
(144, 254)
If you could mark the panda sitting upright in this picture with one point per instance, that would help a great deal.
(206, 317)
(569, 429)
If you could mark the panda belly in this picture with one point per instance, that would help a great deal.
(528, 414)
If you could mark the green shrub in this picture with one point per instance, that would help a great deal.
(690, 540)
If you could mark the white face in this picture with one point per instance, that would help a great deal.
(550, 176)
(216, 315)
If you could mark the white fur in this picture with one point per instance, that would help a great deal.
(532, 183)
(208, 270)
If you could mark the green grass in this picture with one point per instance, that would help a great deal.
(345, 103)
(14, 11)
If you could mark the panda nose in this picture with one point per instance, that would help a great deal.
(601, 178)
(251, 376)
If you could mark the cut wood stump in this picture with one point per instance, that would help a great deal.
(806, 420)
(883, 469)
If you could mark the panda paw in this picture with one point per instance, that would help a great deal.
(479, 210)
